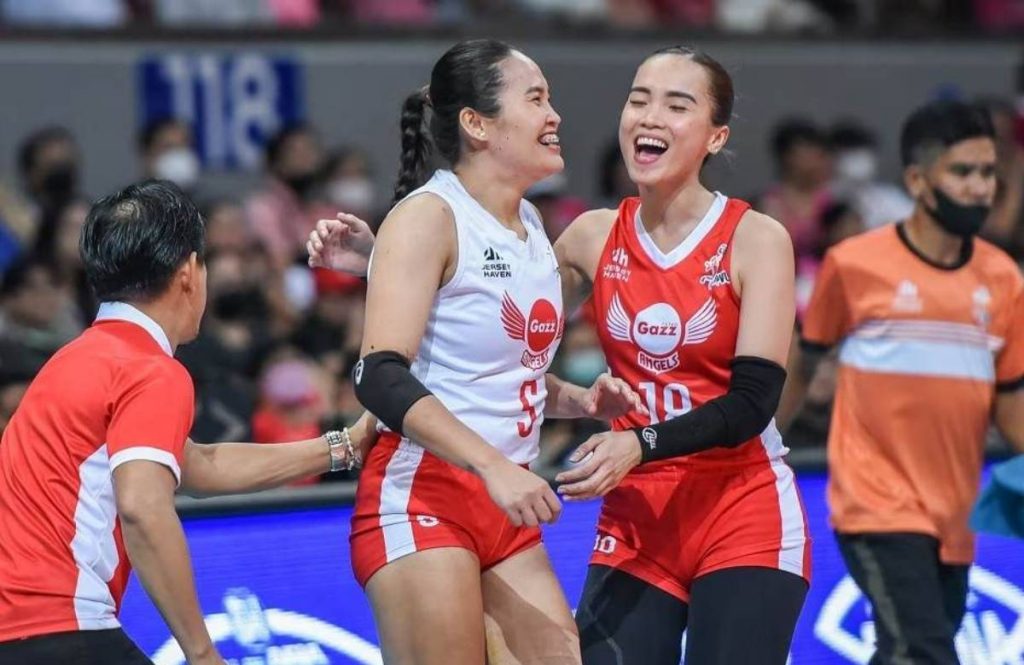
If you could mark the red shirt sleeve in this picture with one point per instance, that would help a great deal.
(151, 415)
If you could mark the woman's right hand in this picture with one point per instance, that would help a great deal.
(341, 244)
(525, 497)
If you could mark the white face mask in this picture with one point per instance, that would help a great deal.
(352, 194)
(857, 165)
(179, 165)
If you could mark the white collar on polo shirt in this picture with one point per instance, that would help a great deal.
(122, 311)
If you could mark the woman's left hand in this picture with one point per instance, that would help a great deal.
(610, 398)
(603, 461)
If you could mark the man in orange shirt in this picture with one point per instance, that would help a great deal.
(929, 323)
(91, 459)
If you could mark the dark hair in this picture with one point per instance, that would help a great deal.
(17, 275)
(850, 135)
(276, 143)
(30, 147)
(147, 136)
(719, 81)
(466, 76)
(938, 125)
(791, 132)
(134, 240)
(50, 228)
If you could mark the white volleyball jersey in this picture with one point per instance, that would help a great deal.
(495, 326)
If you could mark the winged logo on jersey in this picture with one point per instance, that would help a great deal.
(658, 331)
(539, 331)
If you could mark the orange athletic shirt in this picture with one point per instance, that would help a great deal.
(921, 350)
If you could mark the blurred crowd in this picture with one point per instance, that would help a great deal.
(273, 360)
(741, 16)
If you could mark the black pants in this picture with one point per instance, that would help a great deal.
(916, 600)
(79, 647)
(737, 616)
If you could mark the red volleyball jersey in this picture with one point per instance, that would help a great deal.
(668, 322)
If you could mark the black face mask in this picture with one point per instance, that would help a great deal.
(240, 305)
(301, 184)
(955, 218)
(60, 183)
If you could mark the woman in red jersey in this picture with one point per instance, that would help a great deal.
(702, 528)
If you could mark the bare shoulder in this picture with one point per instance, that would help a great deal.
(759, 232)
(594, 223)
(423, 216)
(588, 232)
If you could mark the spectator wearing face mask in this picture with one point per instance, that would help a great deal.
(50, 166)
(347, 186)
(856, 177)
(279, 211)
(167, 151)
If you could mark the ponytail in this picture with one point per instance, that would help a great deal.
(415, 144)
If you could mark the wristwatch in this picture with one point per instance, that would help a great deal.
(343, 454)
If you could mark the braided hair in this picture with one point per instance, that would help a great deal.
(468, 75)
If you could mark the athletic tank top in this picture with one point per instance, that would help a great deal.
(495, 326)
(668, 322)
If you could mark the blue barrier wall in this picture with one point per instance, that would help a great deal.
(277, 589)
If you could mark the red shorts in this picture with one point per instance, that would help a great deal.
(669, 526)
(410, 500)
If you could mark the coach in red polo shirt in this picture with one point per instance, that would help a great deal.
(90, 462)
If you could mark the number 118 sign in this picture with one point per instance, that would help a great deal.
(234, 101)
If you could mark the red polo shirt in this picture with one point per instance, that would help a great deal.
(112, 395)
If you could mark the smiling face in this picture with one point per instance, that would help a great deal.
(523, 136)
(666, 128)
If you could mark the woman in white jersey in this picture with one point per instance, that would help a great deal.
(464, 312)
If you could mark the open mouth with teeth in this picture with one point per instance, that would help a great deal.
(550, 140)
(648, 149)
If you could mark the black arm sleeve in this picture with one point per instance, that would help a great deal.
(727, 421)
(386, 388)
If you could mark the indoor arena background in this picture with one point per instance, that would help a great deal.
(273, 359)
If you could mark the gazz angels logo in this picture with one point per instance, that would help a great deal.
(659, 333)
(246, 633)
(992, 631)
(539, 331)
